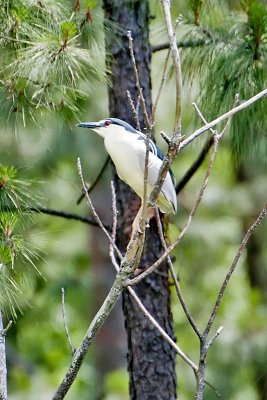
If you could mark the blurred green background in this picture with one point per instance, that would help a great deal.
(74, 255)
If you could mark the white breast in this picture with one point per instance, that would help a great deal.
(124, 150)
(128, 154)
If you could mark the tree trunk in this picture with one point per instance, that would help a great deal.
(151, 360)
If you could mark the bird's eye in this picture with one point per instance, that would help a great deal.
(107, 123)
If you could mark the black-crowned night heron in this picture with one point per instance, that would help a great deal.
(127, 149)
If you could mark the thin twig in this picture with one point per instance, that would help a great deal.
(157, 263)
(102, 314)
(112, 297)
(186, 44)
(195, 166)
(163, 79)
(9, 324)
(100, 317)
(204, 344)
(233, 266)
(114, 212)
(137, 81)
(214, 337)
(162, 332)
(66, 215)
(174, 142)
(165, 137)
(138, 301)
(142, 220)
(212, 131)
(134, 295)
(97, 179)
(216, 139)
(177, 65)
(111, 238)
(198, 162)
(121, 281)
(97, 218)
(174, 277)
(134, 109)
(114, 227)
(216, 121)
(72, 349)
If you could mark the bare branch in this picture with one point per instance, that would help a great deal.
(204, 345)
(136, 298)
(114, 212)
(198, 162)
(137, 81)
(216, 121)
(214, 337)
(97, 322)
(153, 267)
(112, 297)
(114, 228)
(174, 142)
(175, 280)
(186, 44)
(141, 218)
(212, 131)
(195, 166)
(232, 268)
(66, 215)
(177, 65)
(9, 324)
(134, 109)
(162, 332)
(98, 220)
(97, 179)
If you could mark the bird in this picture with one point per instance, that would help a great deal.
(126, 147)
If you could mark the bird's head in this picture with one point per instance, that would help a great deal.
(105, 126)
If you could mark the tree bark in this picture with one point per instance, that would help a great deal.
(151, 360)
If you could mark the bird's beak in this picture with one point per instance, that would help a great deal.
(90, 125)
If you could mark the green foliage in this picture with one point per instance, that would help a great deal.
(91, 4)
(196, 6)
(233, 61)
(69, 30)
(116, 384)
(44, 67)
(15, 194)
(17, 257)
